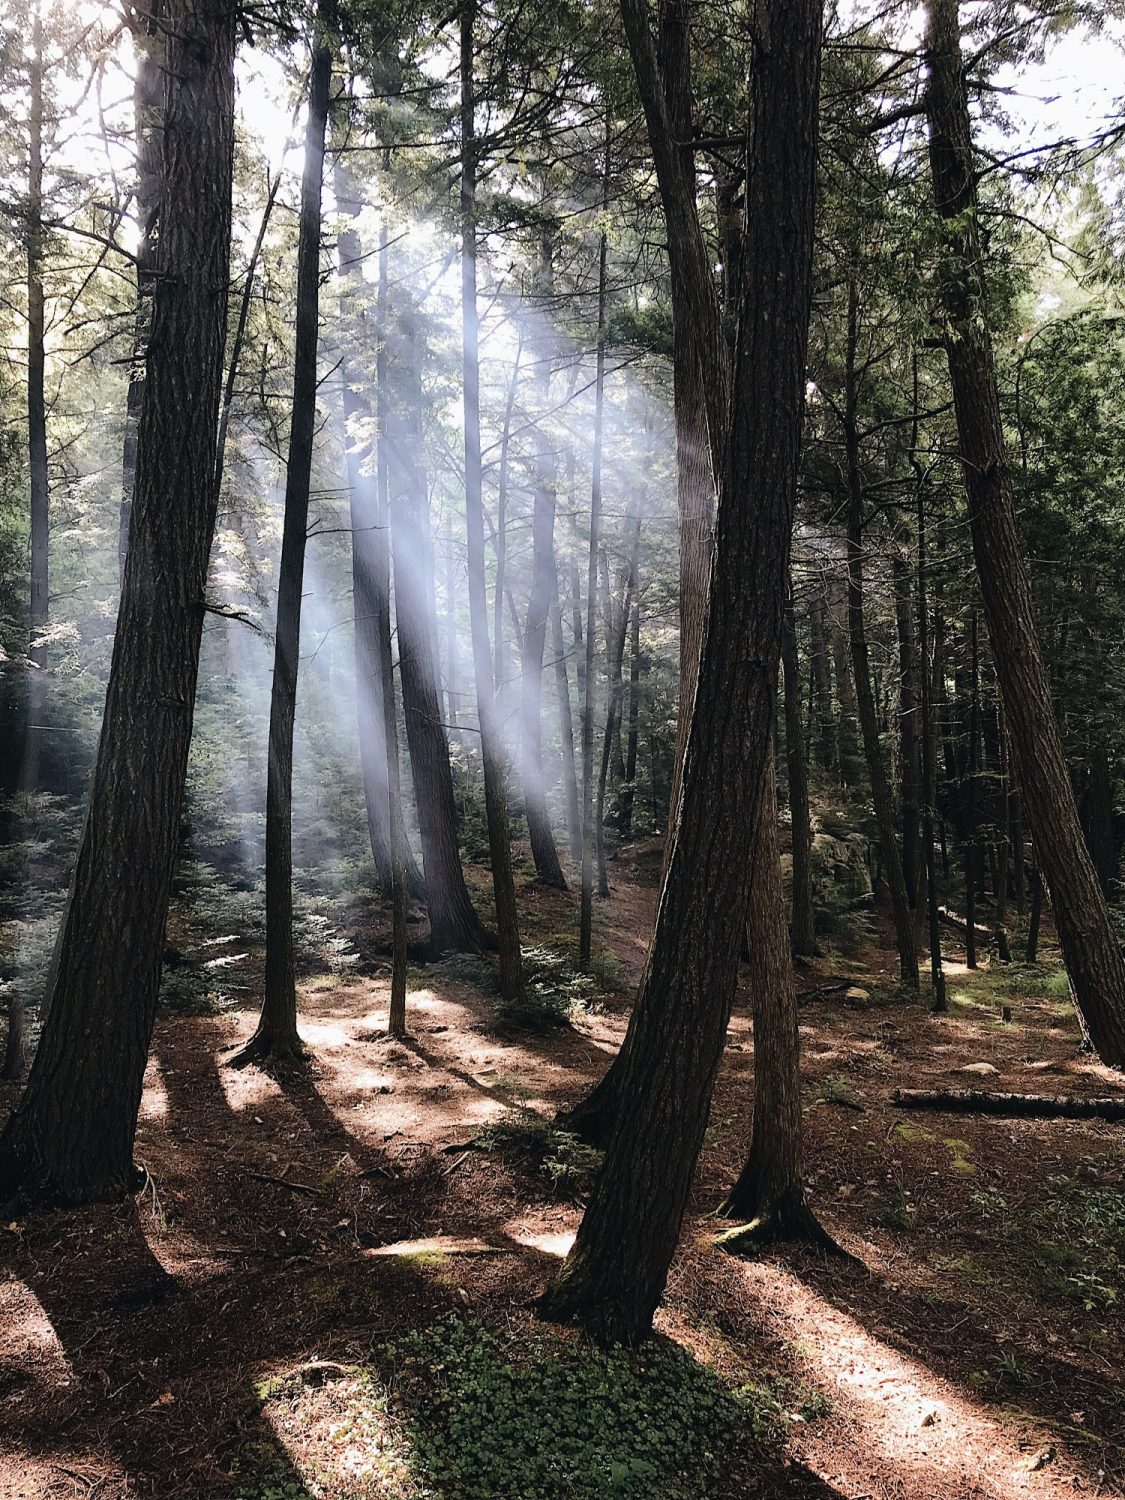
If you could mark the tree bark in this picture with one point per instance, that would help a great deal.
(614, 1276)
(276, 1036)
(148, 89)
(802, 927)
(495, 796)
(71, 1136)
(770, 1190)
(1093, 958)
(629, 789)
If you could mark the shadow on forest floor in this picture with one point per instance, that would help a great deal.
(244, 1328)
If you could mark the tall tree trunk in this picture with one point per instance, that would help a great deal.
(908, 730)
(454, 923)
(695, 484)
(71, 1136)
(1093, 958)
(379, 600)
(544, 577)
(629, 789)
(865, 698)
(374, 679)
(148, 89)
(566, 730)
(770, 1190)
(823, 736)
(36, 423)
(495, 797)
(588, 676)
(929, 759)
(276, 1035)
(615, 651)
(1003, 823)
(802, 931)
(1099, 817)
(972, 779)
(15, 1052)
(614, 1276)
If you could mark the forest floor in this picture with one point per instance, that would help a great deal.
(328, 1287)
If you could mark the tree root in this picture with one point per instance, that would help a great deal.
(784, 1219)
(270, 1052)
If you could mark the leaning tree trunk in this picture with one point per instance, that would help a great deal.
(454, 923)
(276, 1036)
(71, 1136)
(1092, 955)
(492, 755)
(614, 1276)
(861, 668)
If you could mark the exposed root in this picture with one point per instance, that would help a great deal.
(270, 1052)
(785, 1219)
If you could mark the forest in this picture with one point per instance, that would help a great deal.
(562, 749)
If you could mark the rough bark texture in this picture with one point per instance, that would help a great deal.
(492, 757)
(613, 1278)
(148, 93)
(276, 1035)
(1093, 958)
(71, 1136)
(770, 1192)
(695, 485)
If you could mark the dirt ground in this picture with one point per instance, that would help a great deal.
(972, 1348)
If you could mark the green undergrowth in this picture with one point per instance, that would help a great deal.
(567, 1163)
(506, 1417)
(555, 989)
(459, 1411)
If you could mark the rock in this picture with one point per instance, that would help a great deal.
(980, 1070)
(858, 995)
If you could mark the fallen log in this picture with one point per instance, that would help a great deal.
(1014, 1106)
(956, 922)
